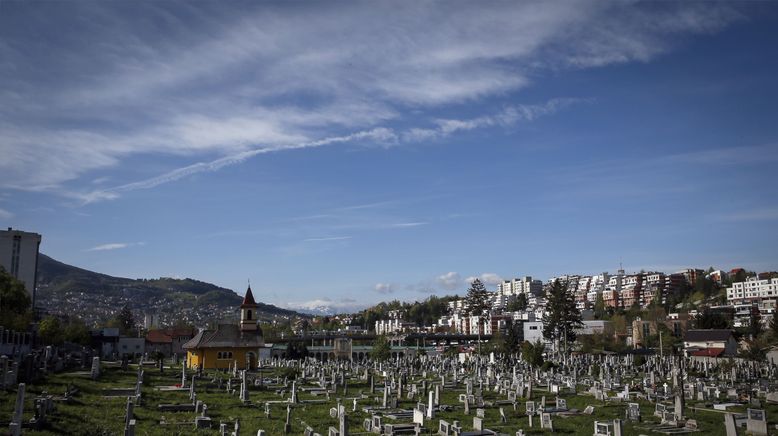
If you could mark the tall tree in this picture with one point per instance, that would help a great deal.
(755, 323)
(15, 303)
(296, 350)
(381, 348)
(533, 353)
(124, 321)
(519, 303)
(477, 299)
(774, 328)
(511, 340)
(599, 307)
(563, 318)
(50, 330)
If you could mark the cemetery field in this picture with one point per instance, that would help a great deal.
(93, 409)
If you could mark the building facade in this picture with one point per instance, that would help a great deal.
(19, 257)
(752, 290)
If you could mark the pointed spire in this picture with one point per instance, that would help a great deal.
(248, 300)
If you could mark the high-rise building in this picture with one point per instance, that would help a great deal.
(19, 257)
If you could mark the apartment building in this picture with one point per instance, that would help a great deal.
(389, 326)
(596, 286)
(631, 290)
(523, 285)
(752, 290)
(19, 257)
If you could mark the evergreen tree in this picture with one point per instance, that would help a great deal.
(124, 321)
(296, 350)
(519, 303)
(563, 318)
(755, 323)
(511, 340)
(477, 299)
(774, 327)
(381, 349)
(599, 307)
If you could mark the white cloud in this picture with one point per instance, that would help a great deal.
(486, 278)
(449, 281)
(115, 246)
(4, 214)
(384, 288)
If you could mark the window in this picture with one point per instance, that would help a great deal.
(248, 315)
(224, 355)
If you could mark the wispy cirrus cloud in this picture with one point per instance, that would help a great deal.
(325, 239)
(115, 246)
(221, 85)
(378, 134)
(507, 117)
(754, 214)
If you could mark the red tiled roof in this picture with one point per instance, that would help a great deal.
(158, 337)
(166, 336)
(708, 352)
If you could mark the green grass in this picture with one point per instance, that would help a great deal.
(90, 413)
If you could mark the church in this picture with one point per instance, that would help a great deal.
(229, 344)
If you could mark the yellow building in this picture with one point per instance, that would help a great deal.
(228, 344)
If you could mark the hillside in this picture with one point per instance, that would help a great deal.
(67, 289)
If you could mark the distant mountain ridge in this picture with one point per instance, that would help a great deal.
(60, 283)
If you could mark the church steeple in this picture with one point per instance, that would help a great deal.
(248, 312)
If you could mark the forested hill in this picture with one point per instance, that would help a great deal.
(92, 295)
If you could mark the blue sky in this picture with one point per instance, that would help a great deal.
(342, 154)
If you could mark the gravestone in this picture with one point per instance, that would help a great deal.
(633, 412)
(478, 423)
(418, 417)
(95, 368)
(545, 421)
(288, 423)
(15, 427)
(444, 428)
(343, 425)
(756, 422)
